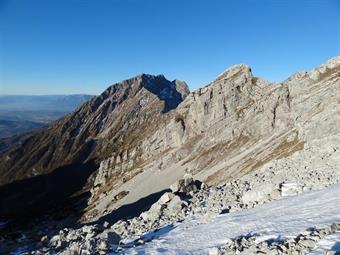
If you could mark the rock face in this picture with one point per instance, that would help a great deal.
(142, 135)
(232, 126)
(56, 163)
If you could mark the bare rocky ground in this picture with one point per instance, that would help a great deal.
(313, 168)
(302, 244)
(251, 142)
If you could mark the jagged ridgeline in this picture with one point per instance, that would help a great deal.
(56, 163)
(141, 135)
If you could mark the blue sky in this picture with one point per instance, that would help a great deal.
(82, 46)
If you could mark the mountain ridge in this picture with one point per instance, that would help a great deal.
(140, 144)
(267, 108)
(72, 140)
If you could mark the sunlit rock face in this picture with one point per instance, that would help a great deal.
(143, 134)
(230, 127)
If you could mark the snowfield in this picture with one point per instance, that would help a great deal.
(281, 219)
(331, 242)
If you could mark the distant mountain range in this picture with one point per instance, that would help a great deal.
(20, 113)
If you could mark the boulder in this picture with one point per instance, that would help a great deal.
(74, 248)
(88, 229)
(186, 185)
(72, 236)
(165, 198)
(259, 194)
(103, 245)
(176, 204)
(145, 216)
(57, 242)
(110, 236)
(307, 243)
(177, 186)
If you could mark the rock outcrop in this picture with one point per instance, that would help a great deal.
(56, 163)
(148, 144)
(302, 244)
(232, 126)
(144, 134)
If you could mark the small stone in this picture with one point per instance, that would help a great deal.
(106, 224)
(305, 233)
(145, 216)
(139, 242)
(44, 239)
(103, 245)
(335, 227)
(204, 186)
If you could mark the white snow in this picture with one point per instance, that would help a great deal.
(282, 218)
(329, 243)
(289, 189)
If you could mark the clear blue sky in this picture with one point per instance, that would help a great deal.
(82, 46)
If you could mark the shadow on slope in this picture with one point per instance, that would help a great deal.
(53, 194)
(336, 247)
(147, 237)
(164, 89)
(133, 209)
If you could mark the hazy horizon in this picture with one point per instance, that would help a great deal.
(37, 95)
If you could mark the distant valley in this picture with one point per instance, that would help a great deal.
(24, 113)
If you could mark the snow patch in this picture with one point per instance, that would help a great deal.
(329, 243)
(282, 218)
(290, 189)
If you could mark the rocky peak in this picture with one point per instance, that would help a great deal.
(332, 62)
(235, 72)
(182, 88)
(105, 126)
(231, 127)
(330, 69)
(171, 92)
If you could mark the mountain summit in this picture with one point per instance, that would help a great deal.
(119, 153)
(57, 161)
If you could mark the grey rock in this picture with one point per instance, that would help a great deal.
(176, 204)
(110, 236)
(308, 243)
(103, 245)
(165, 198)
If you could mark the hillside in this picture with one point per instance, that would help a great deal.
(228, 147)
(72, 147)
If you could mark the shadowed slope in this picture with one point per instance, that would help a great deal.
(57, 161)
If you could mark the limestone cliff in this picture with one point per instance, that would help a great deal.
(141, 135)
(230, 127)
